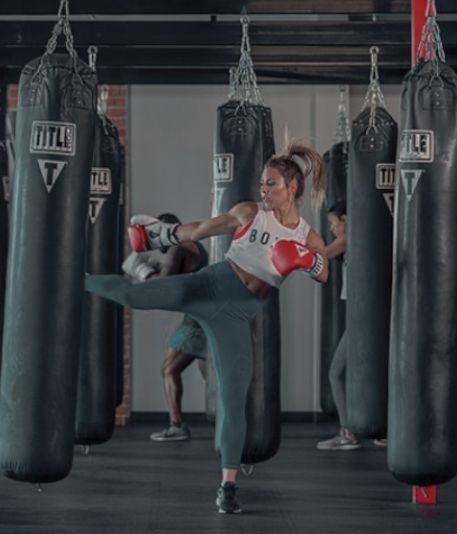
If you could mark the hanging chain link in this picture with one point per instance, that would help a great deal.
(374, 97)
(62, 26)
(343, 132)
(431, 45)
(243, 81)
(92, 53)
(103, 99)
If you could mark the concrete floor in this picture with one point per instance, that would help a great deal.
(131, 485)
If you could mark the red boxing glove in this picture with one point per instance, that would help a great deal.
(291, 255)
(137, 237)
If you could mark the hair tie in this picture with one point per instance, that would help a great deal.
(301, 164)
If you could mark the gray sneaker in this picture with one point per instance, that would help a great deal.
(172, 433)
(226, 501)
(380, 442)
(344, 441)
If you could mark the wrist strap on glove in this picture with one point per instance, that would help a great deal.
(318, 265)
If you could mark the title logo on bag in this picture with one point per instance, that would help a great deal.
(53, 138)
(100, 180)
(95, 206)
(385, 176)
(416, 146)
(410, 179)
(50, 171)
(223, 167)
(385, 180)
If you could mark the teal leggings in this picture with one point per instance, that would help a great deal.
(225, 308)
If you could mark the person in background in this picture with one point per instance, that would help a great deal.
(188, 342)
(345, 440)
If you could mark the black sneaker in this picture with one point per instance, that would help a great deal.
(226, 499)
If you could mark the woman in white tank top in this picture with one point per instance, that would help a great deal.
(270, 240)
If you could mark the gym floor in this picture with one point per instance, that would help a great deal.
(131, 485)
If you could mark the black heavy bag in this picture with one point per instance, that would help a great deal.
(369, 271)
(96, 405)
(120, 309)
(244, 142)
(332, 307)
(4, 199)
(54, 146)
(422, 382)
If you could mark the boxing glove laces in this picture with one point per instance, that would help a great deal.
(148, 233)
(288, 256)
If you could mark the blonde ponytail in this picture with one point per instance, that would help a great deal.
(300, 161)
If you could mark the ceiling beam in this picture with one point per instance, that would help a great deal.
(262, 56)
(218, 33)
(318, 74)
(219, 7)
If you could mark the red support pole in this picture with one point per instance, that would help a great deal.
(424, 494)
(418, 18)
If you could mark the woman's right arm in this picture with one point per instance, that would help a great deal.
(228, 223)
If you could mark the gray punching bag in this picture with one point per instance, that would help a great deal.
(244, 142)
(333, 310)
(45, 276)
(369, 270)
(96, 403)
(120, 309)
(422, 430)
(4, 227)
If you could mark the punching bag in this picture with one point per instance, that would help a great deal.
(244, 142)
(45, 276)
(369, 269)
(333, 310)
(4, 226)
(120, 309)
(423, 344)
(96, 403)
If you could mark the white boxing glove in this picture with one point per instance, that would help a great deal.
(138, 267)
(148, 233)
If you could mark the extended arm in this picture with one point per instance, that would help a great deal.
(149, 233)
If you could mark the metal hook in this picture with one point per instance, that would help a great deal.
(374, 51)
(92, 52)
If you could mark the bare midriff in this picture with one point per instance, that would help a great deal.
(254, 284)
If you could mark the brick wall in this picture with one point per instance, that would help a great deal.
(117, 111)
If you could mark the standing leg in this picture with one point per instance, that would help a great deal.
(345, 440)
(231, 344)
(173, 366)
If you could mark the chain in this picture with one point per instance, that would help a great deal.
(431, 45)
(374, 97)
(243, 81)
(343, 132)
(62, 26)
(92, 53)
(103, 99)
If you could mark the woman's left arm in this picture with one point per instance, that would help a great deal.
(316, 244)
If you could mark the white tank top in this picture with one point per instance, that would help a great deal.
(252, 246)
